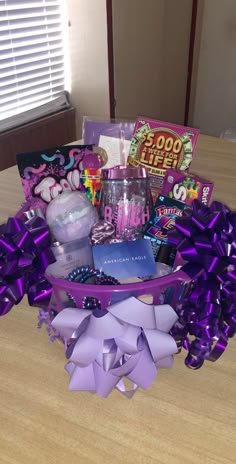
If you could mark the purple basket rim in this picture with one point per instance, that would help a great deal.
(145, 285)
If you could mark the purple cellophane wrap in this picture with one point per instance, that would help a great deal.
(129, 339)
(207, 318)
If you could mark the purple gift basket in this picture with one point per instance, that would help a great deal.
(114, 331)
(202, 292)
(193, 308)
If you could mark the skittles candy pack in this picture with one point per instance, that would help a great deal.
(186, 187)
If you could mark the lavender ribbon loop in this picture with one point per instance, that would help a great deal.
(24, 257)
(207, 318)
(130, 339)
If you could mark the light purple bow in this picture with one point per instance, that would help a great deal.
(130, 339)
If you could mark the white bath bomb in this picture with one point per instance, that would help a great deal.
(70, 216)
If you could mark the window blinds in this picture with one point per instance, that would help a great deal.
(31, 59)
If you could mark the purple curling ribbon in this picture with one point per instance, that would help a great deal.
(129, 339)
(24, 256)
(44, 317)
(207, 318)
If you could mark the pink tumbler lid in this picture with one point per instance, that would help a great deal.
(124, 172)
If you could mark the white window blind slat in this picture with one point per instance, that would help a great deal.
(25, 5)
(29, 51)
(34, 76)
(7, 16)
(28, 33)
(10, 44)
(33, 68)
(14, 62)
(27, 25)
(29, 88)
(32, 57)
(45, 93)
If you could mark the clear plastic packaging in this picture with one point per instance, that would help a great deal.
(69, 256)
(113, 135)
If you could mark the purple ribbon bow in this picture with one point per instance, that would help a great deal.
(24, 257)
(207, 318)
(130, 339)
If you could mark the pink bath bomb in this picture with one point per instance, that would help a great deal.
(70, 216)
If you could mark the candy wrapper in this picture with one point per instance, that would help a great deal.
(186, 187)
(46, 173)
(162, 220)
(160, 146)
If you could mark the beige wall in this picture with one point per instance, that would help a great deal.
(153, 81)
(89, 59)
(213, 106)
(151, 44)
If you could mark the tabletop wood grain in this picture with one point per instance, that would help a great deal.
(185, 417)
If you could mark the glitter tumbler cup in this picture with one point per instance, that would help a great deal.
(125, 200)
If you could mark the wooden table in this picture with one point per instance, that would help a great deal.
(185, 417)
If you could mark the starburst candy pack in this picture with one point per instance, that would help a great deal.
(186, 187)
(160, 146)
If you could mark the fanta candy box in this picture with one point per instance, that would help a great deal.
(125, 200)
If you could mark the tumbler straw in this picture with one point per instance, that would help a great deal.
(122, 149)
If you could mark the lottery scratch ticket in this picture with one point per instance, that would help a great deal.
(160, 146)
